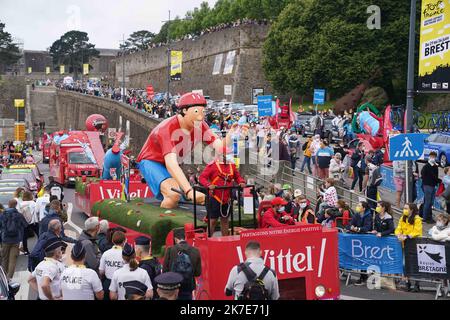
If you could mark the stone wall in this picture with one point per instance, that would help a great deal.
(11, 88)
(199, 56)
(73, 110)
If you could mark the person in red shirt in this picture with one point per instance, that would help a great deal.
(168, 144)
(276, 216)
(221, 172)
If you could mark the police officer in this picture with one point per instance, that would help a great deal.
(134, 290)
(46, 277)
(79, 282)
(111, 261)
(168, 284)
(129, 272)
(146, 261)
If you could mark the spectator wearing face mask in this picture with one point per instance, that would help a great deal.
(441, 231)
(384, 223)
(362, 222)
(430, 179)
(306, 212)
(276, 215)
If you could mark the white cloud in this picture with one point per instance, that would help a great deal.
(39, 23)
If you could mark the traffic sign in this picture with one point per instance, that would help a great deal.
(319, 96)
(265, 106)
(406, 146)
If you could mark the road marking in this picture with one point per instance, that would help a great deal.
(69, 219)
(344, 297)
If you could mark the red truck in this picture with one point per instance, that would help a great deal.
(46, 143)
(75, 154)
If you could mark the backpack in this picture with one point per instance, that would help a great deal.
(26, 212)
(305, 145)
(12, 225)
(254, 288)
(183, 266)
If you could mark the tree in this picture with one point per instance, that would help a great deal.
(322, 43)
(138, 41)
(73, 49)
(9, 52)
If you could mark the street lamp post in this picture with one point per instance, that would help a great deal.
(410, 96)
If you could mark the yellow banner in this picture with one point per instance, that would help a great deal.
(176, 65)
(19, 103)
(47, 70)
(19, 132)
(61, 69)
(434, 63)
(30, 70)
(85, 69)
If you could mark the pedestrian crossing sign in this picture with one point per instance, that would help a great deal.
(406, 146)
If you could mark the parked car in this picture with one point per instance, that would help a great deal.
(302, 118)
(329, 133)
(26, 174)
(6, 194)
(440, 143)
(15, 183)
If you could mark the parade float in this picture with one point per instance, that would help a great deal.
(305, 257)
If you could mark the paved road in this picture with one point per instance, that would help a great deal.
(349, 292)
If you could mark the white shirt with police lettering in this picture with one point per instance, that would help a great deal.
(111, 261)
(124, 275)
(52, 269)
(80, 283)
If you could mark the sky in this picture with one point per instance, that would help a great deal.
(41, 22)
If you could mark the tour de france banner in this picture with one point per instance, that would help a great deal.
(368, 252)
(176, 65)
(434, 62)
(85, 68)
(426, 258)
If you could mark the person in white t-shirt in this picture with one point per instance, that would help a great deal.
(79, 282)
(111, 261)
(129, 272)
(41, 202)
(46, 277)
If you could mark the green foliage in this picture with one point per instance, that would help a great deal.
(80, 186)
(9, 52)
(138, 41)
(322, 43)
(376, 96)
(73, 49)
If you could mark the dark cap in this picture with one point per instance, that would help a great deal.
(135, 287)
(78, 250)
(53, 243)
(169, 280)
(128, 250)
(142, 241)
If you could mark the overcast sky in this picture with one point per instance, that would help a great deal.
(40, 22)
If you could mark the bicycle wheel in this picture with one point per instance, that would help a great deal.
(421, 121)
(432, 125)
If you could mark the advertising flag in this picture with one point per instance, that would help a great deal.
(434, 62)
(47, 70)
(176, 65)
(85, 69)
(61, 69)
(30, 70)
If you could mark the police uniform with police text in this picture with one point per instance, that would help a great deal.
(124, 274)
(110, 261)
(79, 282)
(149, 264)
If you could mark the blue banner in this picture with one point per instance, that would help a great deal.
(363, 251)
(319, 96)
(265, 106)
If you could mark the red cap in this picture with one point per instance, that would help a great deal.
(278, 201)
(191, 100)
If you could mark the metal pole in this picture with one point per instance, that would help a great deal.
(123, 71)
(168, 60)
(82, 67)
(410, 96)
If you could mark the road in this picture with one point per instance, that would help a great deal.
(349, 292)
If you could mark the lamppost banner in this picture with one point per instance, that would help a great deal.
(434, 62)
(176, 65)
(61, 69)
(85, 69)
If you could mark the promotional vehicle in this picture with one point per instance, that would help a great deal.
(76, 154)
(46, 149)
(439, 143)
